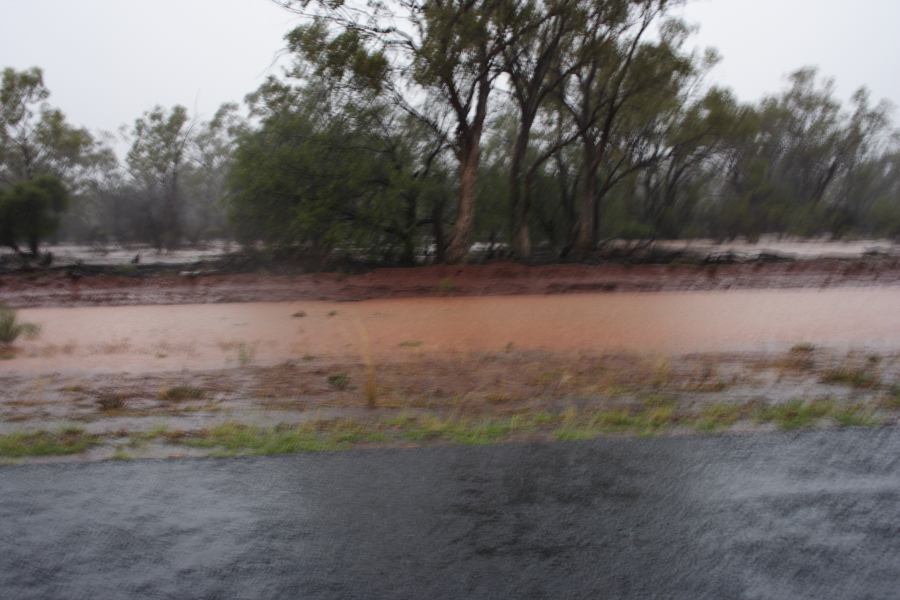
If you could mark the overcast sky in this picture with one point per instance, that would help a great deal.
(106, 61)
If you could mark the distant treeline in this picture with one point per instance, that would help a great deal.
(408, 129)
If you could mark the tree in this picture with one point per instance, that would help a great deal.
(35, 138)
(448, 52)
(205, 181)
(30, 210)
(156, 163)
(532, 62)
(331, 168)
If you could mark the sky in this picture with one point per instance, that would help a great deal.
(107, 61)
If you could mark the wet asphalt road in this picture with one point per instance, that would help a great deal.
(812, 515)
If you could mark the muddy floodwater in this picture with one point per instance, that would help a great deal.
(209, 336)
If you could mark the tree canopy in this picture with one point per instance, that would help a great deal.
(406, 131)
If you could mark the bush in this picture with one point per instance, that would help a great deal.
(11, 328)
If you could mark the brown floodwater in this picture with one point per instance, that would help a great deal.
(209, 336)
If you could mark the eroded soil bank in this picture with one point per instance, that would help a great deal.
(74, 288)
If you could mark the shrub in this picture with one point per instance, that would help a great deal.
(11, 328)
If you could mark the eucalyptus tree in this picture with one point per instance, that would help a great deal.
(532, 64)
(156, 163)
(335, 168)
(444, 53)
(43, 159)
(614, 68)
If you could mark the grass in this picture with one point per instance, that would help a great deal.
(339, 381)
(11, 328)
(853, 377)
(855, 415)
(446, 285)
(234, 438)
(110, 401)
(657, 414)
(795, 414)
(802, 348)
(246, 354)
(411, 344)
(71, 440)
(120, 454)
(891, 400)
(719, 416)
(181, 393)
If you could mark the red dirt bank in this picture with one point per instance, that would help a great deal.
(57, 288)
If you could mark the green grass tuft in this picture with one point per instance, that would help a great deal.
(795, 414)
(65, 441)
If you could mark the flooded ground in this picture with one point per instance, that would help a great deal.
(164, 338)
(116, 254)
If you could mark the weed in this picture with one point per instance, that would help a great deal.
(332, 313)
(339, 381)
(11, 328)
(181, 393)
(299, 314)
(410, 344)
(308, 358)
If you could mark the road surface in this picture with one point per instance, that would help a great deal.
(809, 515)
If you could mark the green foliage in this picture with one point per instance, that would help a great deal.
(327, 171)
(30, 211)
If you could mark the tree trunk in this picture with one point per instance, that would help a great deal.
(584, 236)
(520, 237)
(461, 237)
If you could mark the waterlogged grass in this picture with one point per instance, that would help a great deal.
(653, 416)
(855, 416)
(569, 425)
(795, 414)
(853, 377)
(719, 416)
(66, 441)
(236, 438)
